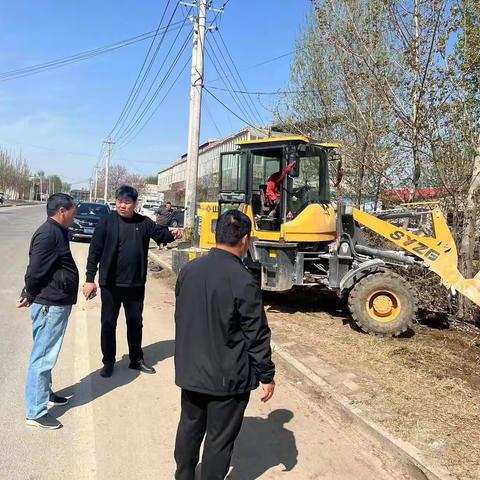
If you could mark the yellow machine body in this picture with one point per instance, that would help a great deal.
(315, 224)
(312, 243)
(438, 252)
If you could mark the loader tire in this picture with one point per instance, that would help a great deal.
(383, 304)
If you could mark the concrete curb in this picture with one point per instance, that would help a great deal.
(20, 205)
(407, 451)
(159, 261)
(425, 467)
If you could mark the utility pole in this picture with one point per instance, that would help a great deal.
(107, 165)
(96, 183)
(41, 188)
(199, 30)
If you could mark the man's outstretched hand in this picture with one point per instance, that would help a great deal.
(267, 391)
(177, 233)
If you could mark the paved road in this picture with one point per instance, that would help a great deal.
(124, 427)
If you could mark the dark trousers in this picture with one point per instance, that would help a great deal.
(132, 300)
(220, 418)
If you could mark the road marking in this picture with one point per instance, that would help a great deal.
(85, 464)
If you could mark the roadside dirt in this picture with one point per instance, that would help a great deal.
(423, 387)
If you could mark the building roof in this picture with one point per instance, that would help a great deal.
(205, 147)
(406, 194)
(202, 148)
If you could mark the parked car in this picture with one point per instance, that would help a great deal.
(87, 217)
(177, 219)
(149, 209)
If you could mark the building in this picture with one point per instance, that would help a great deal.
(80, 195)
(171, 180)
(151, 193)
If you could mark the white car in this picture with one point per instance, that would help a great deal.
(148, 210)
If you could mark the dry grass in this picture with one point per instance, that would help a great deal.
(425, 388)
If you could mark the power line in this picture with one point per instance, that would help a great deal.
(229, 109)
(138, 84)
(265, 62)
(41, 147)
(224, 77)
(133, 120)
(82, 56)
(135, 135)
(238, 75)
(212, 119)
(278, 92)
(129, 135)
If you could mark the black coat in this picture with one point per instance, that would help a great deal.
(165, 217)
(222, 339)
(104, 245)
(52, 276)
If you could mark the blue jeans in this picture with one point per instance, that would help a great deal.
(49, 324)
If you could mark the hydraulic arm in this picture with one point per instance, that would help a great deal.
(439, 252)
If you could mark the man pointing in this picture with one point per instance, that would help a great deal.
(120, 245)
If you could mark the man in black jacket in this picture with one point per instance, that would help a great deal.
(51, 285)
(120, 245)
(222, 350)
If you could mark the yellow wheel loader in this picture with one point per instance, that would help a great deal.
(304, 241)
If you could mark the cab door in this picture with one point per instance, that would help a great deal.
(233, 179)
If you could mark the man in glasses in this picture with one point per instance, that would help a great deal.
(119, 248)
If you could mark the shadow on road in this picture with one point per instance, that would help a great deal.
(264, 443)
(94, 386)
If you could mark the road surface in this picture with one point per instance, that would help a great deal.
(124, 427)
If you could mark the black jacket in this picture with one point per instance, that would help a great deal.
(222, 339)
(165, 217)
(52, 276)
(104, 245)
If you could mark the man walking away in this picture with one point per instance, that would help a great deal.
(222, 350)
(51, 285)
(164, 215)
(120, 245)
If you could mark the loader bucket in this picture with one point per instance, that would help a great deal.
(439, 253)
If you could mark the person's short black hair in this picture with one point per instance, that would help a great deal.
(232, 226)
(58, 200)
(127, 191)
(168, 203)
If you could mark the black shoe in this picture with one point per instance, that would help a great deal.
(142, 366)
(107, 370)
(57, 400)
(47, 421)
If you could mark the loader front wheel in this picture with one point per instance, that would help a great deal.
(383, 304)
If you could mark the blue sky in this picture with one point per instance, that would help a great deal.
(58, 119)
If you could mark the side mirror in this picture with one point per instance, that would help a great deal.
(340, 173)
(295, 172)
(294, 155)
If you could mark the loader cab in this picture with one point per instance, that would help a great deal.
(244, 176)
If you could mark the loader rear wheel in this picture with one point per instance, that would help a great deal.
(383, 304)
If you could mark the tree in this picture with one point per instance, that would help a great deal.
(118, 176)
(151, 180)
(337, 99)
(396, 82)
(14, 175)
(55, 183)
